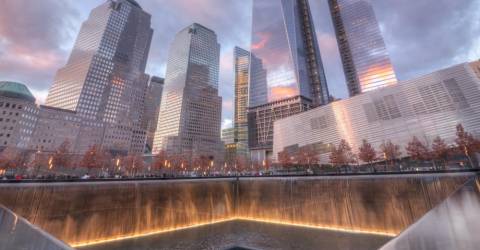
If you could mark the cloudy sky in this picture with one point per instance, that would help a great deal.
(422, 35)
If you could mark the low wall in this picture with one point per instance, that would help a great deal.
(79, 213)
(18, 234)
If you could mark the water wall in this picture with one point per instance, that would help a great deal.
(81, 213)
(18, 234)
(381, 204)
(454, 224)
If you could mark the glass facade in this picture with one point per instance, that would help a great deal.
(153, 98)
(242, 68)
(364, 55)
(190, 114)
(286, 70)
(104, 79)
(288, 61)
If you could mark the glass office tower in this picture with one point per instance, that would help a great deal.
(365, 59)
(242, 69)
(189, 123)
(153, 99)
(104, 79)
(287, 74)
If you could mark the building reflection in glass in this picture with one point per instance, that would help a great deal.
(284, 40)
(287, 75)
(364, 55)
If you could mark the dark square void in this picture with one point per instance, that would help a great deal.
(248, 235)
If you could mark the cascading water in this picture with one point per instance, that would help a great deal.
(82, 214)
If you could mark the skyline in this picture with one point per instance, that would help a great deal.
(33, 49)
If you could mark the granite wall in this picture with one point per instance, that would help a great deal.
(18, 234)
(79, 213)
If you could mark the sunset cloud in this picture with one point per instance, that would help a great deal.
(36, 36)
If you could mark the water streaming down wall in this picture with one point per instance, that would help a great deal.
(85, 212)
(79, 213)
(383, 204)
(454, 224)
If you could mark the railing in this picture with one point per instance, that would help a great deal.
(289, 174)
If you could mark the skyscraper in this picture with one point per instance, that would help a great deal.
(364, 55)
(104, 79)
(190, 114)
(153, 98)
(242, 68)
(287, 75)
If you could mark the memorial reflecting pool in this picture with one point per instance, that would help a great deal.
(249, 235)
(337, 212)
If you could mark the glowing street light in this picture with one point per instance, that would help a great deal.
(50, 163)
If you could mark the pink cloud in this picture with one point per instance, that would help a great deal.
(228, 105)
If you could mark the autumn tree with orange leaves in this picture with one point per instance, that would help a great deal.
(367, 153)
(440, 151)
(307, 156)
(342, 155)
(467, 144)
(391, 152)
(134, 164)
(13, 159)
(417, 151)
(241, 164)
(95, 158)
(160, 161)
(62, 156)
(285, 159)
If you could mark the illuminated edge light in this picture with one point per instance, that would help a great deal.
(277, 222)
(146, 234)
(320, 227)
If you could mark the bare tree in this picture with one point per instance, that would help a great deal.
(391, 152)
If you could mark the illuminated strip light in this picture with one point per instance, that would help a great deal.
(140, 235)
(277, 222)
(329, 228)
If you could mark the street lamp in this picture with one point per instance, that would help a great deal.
(118, 164)
(50, 161)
